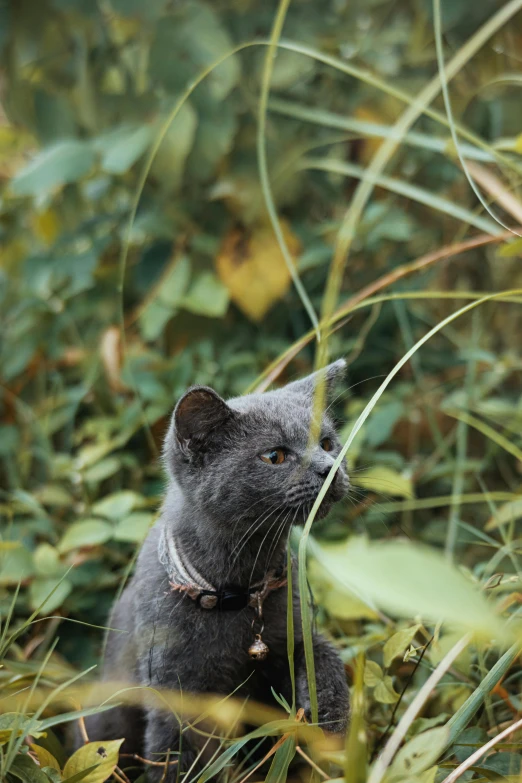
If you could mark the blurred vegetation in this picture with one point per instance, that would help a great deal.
(127, 276)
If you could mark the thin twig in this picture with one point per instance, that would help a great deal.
(120, 778)
(382, 738)
(265, 758)
(472, 760)
(312, 762)
(83, 730)
(372, 288)
(147, 761)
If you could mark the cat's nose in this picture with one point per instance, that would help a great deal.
(322, 466)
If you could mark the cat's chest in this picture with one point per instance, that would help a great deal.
(227, 633)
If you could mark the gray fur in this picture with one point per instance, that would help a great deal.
(231, 513)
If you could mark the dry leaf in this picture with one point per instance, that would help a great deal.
(253, 269)
(111, 354)
(46, 226)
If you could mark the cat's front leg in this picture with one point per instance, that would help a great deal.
(332, 689)
(165, 744)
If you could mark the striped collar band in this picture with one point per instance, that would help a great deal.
(186, 579)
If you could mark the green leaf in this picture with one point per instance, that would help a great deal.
(207, 296)
(17, 724)
(428, 776)
(64, 162)
(16, 565)
(41, 588)
(188, 41)
(419, 753)
(338, 602)
(379, 426)
(162, 307)
(213, 140)
(408, 580)
(118, 504)
(83, 774)
(27, 770)
(384, 691)
(55, 494)
(103, 754)
(122, 147)
(148, 11)
(134, 528)
(102, 470)
(373, 674)
(398, 643)
(386, 481)
(169, 162)
(47, 561)
(88, 532)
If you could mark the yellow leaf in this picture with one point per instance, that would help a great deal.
(7, 546)
(508, 512)
(46, 226)
(45, 759)
(103, 754)
(253, 269)
(517, 147)
(111, 352)
(510, 249)
(369, 145)
(386, 482)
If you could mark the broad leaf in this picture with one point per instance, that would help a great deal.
(410, 580)
(253, 269)
(207, 296)
(89, 532)
(398, 643)
(385, 481)
(420, 753)
(64, 162)
(56, 589)
(103, 754)
(117, 505)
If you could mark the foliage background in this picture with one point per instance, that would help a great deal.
(103, 326)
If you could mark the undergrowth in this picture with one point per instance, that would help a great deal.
(229, 194)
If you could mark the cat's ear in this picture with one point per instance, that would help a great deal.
(198, 419)
(332, 373)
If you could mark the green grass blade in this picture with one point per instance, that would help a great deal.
(405, 189)
(263, 166)
(437, 24)
(355, 764)
(465, 713)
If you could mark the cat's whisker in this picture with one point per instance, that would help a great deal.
(280, 532)
(247, 531)
(271, 527)
(245, 512)
(251, 531)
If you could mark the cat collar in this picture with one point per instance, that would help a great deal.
(185, 579)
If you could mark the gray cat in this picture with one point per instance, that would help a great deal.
(205, 611)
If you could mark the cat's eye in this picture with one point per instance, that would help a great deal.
(326, 444)
(274, 456)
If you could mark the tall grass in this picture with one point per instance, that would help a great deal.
(39, 695)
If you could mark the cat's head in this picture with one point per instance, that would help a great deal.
(251, 458)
